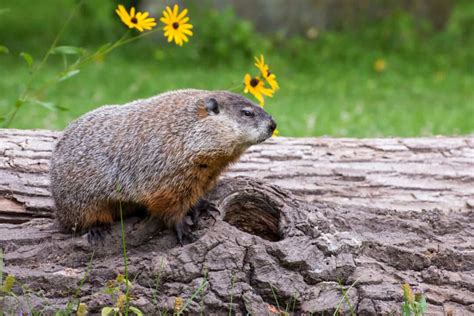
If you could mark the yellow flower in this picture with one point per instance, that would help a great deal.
(121, 301)
(176, 25)
(82, 310)
(138, 20)
(178, 305)
(264, 70)
(379, 65)
(256, 87)
(8, 284)
(120, 278)
(408, 295)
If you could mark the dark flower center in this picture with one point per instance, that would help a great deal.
(268, 73)
(175, 25)
(254, 82)
(134, 20)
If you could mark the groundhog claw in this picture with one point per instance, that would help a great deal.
(96, 234)
(183, 233)
(203, 207)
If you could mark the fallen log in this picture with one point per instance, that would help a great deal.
(306, 225)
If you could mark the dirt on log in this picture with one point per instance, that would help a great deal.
(305, 225)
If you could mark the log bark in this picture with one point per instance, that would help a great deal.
(302, 222)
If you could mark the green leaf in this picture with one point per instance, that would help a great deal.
(69, 74)
(19, 103)
(423, 304)
(67, 50)
(3, 11)
(106, 311)
(4, 49)
(406, 310)
(128, 283)
(1, 251)
(61, 108)
(27, 57)
(47, 105)
(110, 290)
(136, 311)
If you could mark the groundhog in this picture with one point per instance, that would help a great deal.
(163, 153)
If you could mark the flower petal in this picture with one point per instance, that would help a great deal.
(247, 79)
(258, 96)
(168, 9)
(175, 10)
(185, 26)
(182, 14)
(122, 10)
(187, 32)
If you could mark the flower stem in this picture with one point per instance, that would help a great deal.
(58, 36)
(235, 87)
(11, 117)
(26, 91)
(76, 65)
(125, 261)
(140, 36)
(52, 46)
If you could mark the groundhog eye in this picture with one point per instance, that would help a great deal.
(248, 113)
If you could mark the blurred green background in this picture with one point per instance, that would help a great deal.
(327, 71)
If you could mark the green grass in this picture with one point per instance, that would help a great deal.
(339, 99)
(328, 86)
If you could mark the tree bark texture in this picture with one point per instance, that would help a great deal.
(305, 225)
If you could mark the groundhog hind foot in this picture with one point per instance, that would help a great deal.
(97, 233)
(183, 232)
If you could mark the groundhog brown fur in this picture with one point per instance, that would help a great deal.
(163, 153)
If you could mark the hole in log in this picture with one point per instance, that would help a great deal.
(254, 215)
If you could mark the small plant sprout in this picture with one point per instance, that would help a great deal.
(178, 305)
(276, 309)
(82, 310)
(118, 290)
(413, 303)
(7, 285)
(345, 298)
(232, 284)
(179, 301)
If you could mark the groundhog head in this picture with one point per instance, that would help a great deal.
(235, 118)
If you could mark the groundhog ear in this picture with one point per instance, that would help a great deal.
(211, 105)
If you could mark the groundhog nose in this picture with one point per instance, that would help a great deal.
(273, 125)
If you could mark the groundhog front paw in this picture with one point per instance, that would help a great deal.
(203, 207)
(184, 228)
(96, 234)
